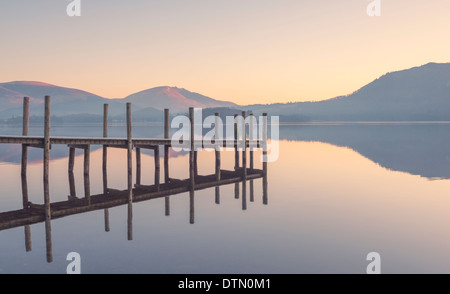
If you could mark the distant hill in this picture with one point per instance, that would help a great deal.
(176, 99)
(65, 101)
(71, 105)
(416, 94)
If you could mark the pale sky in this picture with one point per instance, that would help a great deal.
(245, 51)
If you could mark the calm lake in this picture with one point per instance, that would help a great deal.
(337, 192)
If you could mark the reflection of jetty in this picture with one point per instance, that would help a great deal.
(34, 213)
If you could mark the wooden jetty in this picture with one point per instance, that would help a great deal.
(32, 213)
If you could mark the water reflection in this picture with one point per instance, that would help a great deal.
(416, 148)
(32, 213)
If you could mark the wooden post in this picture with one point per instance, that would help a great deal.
(166, 159)
(25, 124)
(105, 149)
(236, 152)
(244, 163)
(244, 148)
(130, 171)
(48, 229)
(251, 137)
(191, 169)
(71, 159)
(104, 164)
(217, 152)
(166, 147)
(265, 137)
(191, 152)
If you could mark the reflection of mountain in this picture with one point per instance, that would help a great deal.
(419, 149)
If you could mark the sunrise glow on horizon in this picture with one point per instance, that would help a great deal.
(248, 51)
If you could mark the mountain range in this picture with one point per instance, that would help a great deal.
(74, 103)
(417, 94)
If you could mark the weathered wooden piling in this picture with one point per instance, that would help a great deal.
(264, 163)
(218, 140)
(130, 170)
(166, 158)
(217, 145)
(192, 146)
(25, 126)
(48, 228)
(251, 136)
(166, 147)
(236, 151)
(191, 168)
(244, 147)
(104, 164)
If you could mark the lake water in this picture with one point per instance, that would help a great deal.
(336, 193)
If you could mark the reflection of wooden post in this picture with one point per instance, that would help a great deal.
(87, 190)
(130, 171)
(265, 137)
(236, 190)
(48, 228)
(157, 167)
(166, 147)
(166, 159)
(130, 221)
(191, 207)
(104, 163)
(195, 162)
(217, 147)
(244, 194)
(236, 152)
(217, 195)
(25, 124)
(252, 192)
(73, 193)
(138, 166)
